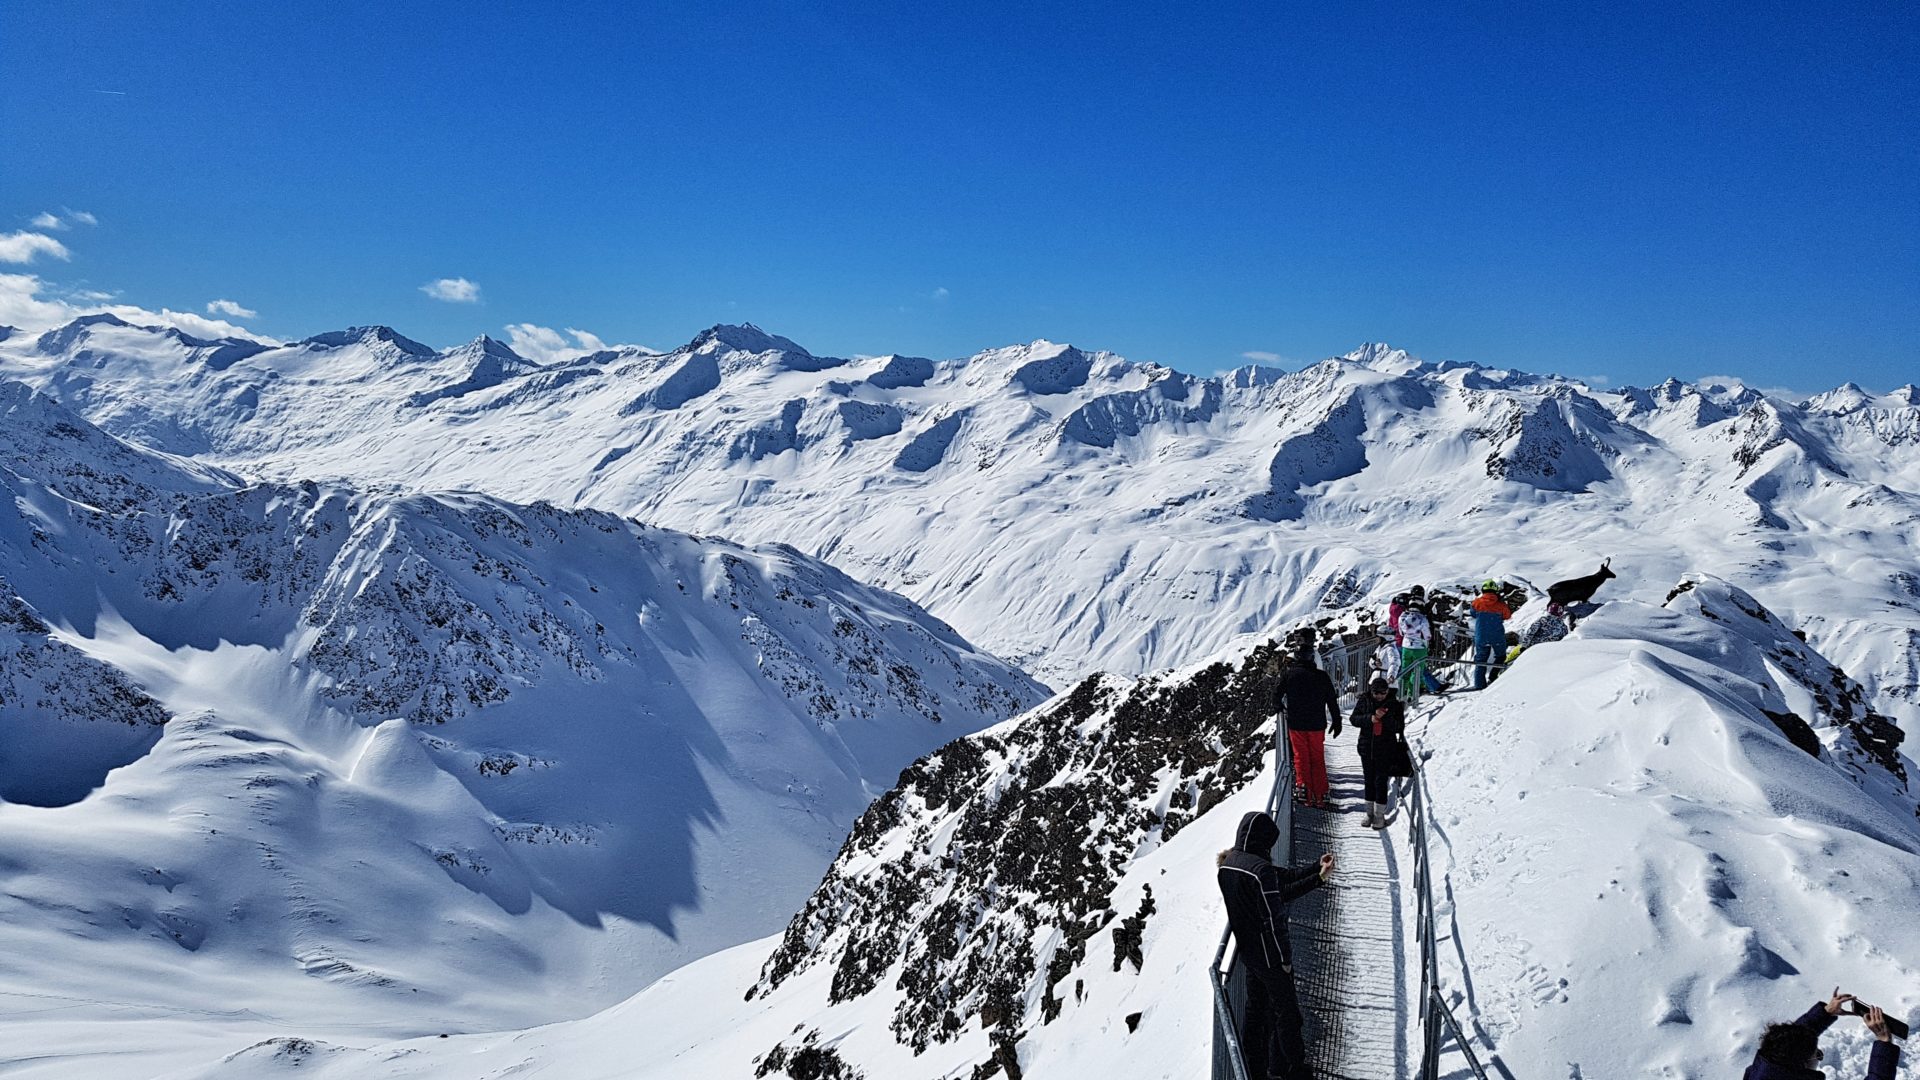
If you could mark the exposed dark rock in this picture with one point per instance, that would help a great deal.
(998, 838)
(807, 1060)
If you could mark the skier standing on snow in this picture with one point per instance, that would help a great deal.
(1306, 702)
(1415, 635)
(1382, 723)
(1490, 615)
(1792, 1051)
(1257, 894)
(1413, 600)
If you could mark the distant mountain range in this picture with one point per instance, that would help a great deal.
(1074, 511)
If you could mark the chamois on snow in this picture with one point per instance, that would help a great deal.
(1581, 589)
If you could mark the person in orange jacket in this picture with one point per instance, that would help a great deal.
(1490, 615)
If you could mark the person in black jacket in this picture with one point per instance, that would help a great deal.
(1792, 1051)
(1381, 720)
(1257, 894)
(1305, 702)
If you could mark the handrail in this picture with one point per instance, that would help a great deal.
(1434, 1006)
(1228, 978)
(1349, 660)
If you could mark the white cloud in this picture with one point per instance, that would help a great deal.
(545, 345)
(1736, 383)
(47, 219)
(21, 247)
(22, 305)
(454, 290)
(25, 303)
(940, 293)
(197, 325)
(1259, 356)
(228, 307)
(1596, 380)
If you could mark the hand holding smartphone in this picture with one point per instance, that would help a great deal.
(1855, 1007)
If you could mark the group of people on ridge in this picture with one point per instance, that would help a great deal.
(1308, 704)
(1258, 893)
(1309, 710)
(1411, 626)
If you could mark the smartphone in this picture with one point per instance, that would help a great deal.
(1897, 1028)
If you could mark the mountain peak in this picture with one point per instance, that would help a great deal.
(484, 346)
(370, 336)
(1845, 398)
(745, 337)
(1382, 357)
(62, 338)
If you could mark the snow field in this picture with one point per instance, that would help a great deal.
(1642, 871)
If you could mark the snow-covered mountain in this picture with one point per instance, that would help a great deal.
(382, 753)
(1075, 511)
(395, 762)
(1655, 836)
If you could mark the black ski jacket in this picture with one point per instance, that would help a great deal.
(1393, 725)
(1306, 699)
(1257, 894)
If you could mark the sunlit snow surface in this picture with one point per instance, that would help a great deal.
(446, 763)
(1075, 511)
(1640, 871)
(431, 762)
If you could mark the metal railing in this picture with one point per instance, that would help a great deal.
(1229, 979)
(1346, 663)
(1433, 1004)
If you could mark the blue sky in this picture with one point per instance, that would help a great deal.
(1620, 190)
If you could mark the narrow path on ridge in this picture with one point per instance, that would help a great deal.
(1356, 962)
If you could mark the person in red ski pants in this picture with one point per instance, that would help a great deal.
(1306, 703)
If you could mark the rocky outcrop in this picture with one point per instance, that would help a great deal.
(973, 887)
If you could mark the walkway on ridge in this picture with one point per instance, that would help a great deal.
(1357, 965)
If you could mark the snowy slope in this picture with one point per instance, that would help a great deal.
(992, 905)
(1644, 868)
(391, 763)
(1075, 511)
(1640, 868)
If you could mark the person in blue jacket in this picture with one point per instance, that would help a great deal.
(1490, 615)
(1792, 1051)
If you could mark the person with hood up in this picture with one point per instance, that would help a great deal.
(1490, 615)
(1305, 702)
(1792, 1051)
(1382, 723)
(1257, 893)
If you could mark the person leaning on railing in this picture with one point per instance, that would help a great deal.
(1257, 894)
(1792, 1051)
